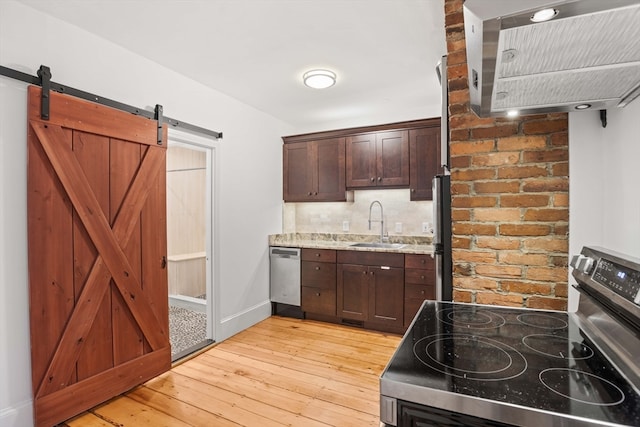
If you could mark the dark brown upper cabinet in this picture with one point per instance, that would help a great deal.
(322, 166)
(314, 171)
(378, 159)
(424, 155)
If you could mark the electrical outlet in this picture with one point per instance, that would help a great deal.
(345, 225)
(398, 227)
(426, 227)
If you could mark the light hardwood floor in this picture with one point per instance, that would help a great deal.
(281, 371)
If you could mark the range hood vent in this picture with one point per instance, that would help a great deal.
(586, 57)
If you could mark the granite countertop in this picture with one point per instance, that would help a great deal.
(412, 244)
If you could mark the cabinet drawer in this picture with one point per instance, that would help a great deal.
(420, 292)
(419, 277)
(318, 274)
(319, 255)
(371, 258)
(419, 261)
(317, 300)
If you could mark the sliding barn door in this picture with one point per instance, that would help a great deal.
(97, 254)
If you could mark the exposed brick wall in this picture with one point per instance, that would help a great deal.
(510, 196)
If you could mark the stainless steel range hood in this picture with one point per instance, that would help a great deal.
(587, 56)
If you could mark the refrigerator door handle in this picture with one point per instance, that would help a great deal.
(437, 218)
(439, 278)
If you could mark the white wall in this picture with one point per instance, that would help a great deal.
(604, 190)
(250, 180)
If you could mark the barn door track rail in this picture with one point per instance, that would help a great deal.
(44, 80)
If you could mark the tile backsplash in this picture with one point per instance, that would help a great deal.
(330, 217)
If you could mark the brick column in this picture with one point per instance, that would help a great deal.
(510, 196)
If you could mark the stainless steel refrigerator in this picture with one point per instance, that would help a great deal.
(442, 236)
(442, 199)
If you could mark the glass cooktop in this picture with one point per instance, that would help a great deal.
(524, 359)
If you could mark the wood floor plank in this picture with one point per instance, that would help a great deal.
(306, 383)
(318, 351)
(178, 408)
(126, 412)
(379, 339)
(282, 371)
(88, 420)
(340, 373)
(307, 401)
(311, 338)
(234, 404)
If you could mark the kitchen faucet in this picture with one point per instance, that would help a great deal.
(381, 221)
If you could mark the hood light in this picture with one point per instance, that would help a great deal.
(544, 15)
(319, 79)
(582, 106)
(512, 113)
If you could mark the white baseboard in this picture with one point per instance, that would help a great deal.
(238, 322)
(20, 415)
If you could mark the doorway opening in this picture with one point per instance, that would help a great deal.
(189, 243)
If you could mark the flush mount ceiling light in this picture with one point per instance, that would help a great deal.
(544, 15)
(319, 79)
(582, 106)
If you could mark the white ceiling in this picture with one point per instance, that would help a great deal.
(383, 51)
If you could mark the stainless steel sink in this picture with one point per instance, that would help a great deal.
(378, 245)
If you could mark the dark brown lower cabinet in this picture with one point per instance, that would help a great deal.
(370, 289)
(419, 284)
(374, 290)
(318, 278)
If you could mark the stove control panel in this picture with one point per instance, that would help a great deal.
(620, 279)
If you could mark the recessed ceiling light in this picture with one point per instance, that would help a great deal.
(582, 106)
(512, 113)
(544, 15)
(319, 79)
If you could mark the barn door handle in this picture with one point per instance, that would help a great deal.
(163, 264)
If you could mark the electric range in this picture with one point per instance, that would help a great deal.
(468, 364)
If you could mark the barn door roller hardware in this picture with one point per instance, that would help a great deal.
(44, 80)
(158, 111)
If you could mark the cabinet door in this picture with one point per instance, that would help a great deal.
(392, 158)
(386, 295)
(297, 178)
(361, 160)
(352, 292)
(328, 169)
(424, 154)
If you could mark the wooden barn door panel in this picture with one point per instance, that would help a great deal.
(97, 247)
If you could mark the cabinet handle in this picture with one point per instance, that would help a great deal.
(372, 179)
(317, 254)
(422, 277)
(309, 193)
(372, 273)
(422, 292)
(379, 178)
(422, 261)
(318, 294)
(364, 272)
(413, 190)
(318, 268)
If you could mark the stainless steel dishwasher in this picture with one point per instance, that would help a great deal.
(285, 276)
